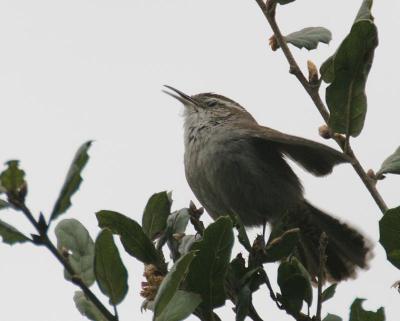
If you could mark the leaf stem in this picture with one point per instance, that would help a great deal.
(268, 9)
(323, 242)
(45, 241)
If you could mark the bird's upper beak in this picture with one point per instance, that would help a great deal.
(181, 96)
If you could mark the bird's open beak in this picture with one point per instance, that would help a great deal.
(182, 97)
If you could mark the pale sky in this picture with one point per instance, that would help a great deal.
(73, 70)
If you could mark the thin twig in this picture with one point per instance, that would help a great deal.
(323, 242)
(268, 10)
(45, 241)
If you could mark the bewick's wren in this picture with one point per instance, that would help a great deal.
(234, 165)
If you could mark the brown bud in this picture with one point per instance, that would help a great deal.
(273, 43)
(64, 252)
(312, 72)
(324, 132)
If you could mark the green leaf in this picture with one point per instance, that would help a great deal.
(4, 204)
(345, 96)
(110, 272)
(87, 308)
(295, 285)
(365, 11)
(154, 219)
(178, 221)
(332, 317)
(12, 179)
(11, 235)
(282, 246)
(186, 243)
(329, 292)
(309, 38)
(243, 302)
(327, 70)
(72, 181)
(357, 313)
(171, 282)
(390, 165)
(180, 307)
(134, 240)
(389, 230)
(242, 234)
(207, 272)
(283, 2)
(73, 237)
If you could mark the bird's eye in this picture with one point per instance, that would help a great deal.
(211, 103)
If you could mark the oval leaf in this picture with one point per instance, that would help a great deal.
(12, 180)
(87, 308)
(11, 235)
(390, 165)
(357, 313)
(180, 307)
(154, 219)
(345, 96)
(389, 230)
(207, 272)
(328, 292)
(332, 317)
(134, 240)
(295, 285)
(282, 246)
(110, 272)
(309, 38)
(171, 282)
(72, 181)
(73, 237)
(364, 13)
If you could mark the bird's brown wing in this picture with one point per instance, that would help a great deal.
(314, 157)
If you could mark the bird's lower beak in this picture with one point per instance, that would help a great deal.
(181, 96)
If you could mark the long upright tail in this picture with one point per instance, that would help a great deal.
(347, 249)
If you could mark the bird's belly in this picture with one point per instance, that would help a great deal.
(233, 180)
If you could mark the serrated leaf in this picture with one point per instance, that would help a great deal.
(171, 282)
(110, 272)
(13, 178)
(345, 96)
(133, 239)
(295, 285)
(72, 181)
(364, 13)
(180, 307)
(11, 235)
(391, 165)
(357, 313)
(282, 246)
(211, 263)
(154, 219)
(73, 237)
(309, 38)
(329, 292)
(332, 317)
(389, 230)
(87, 308)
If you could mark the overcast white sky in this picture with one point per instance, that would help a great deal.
(74, 70)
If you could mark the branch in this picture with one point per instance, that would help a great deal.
(323, 242)
(45, 241)
(268, 10)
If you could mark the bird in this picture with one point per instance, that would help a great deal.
(236, 166)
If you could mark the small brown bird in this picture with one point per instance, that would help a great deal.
(234, 165)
